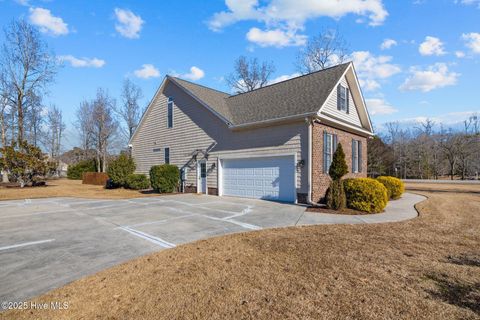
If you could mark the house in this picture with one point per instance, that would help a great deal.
(275, 142)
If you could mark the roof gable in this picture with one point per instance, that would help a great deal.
(302, 96)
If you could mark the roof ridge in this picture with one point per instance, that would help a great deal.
(197, 84)
(283, 81)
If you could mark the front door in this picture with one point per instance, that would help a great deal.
(202, 176)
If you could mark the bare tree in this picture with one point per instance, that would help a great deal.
(28, 68)
(34, 118)
(55, 129)
(249, 74)
(4, 108)
(326, 49)
(84, 125)
(129, 110)
(104, 126)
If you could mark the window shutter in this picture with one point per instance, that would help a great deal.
(339, 96)
(324, 152)
(335, 143)
(353, 156)
(359, 156)
(348, 100)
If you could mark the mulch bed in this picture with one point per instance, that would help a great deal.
(330, 211)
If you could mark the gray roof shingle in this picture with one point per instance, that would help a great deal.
(297, 96)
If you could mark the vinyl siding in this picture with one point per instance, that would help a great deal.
(195, 128)
(330, 107)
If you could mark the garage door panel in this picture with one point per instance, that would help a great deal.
(270, 178)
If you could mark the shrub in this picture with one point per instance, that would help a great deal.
(95, 178)
(24, 162)
(137, 182)
(335, 197)
(365, 194)
(164, 178)
(75, 171)
(119, 169)
(395, 187)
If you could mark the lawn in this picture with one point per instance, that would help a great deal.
(69, 188)
(425, 268)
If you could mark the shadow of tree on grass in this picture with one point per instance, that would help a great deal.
(463, 295)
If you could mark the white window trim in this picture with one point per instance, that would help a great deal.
(170, 100)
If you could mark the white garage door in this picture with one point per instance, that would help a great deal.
(271, 178)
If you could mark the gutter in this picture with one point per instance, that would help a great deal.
(270, 121)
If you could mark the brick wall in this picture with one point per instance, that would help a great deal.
(320, 180)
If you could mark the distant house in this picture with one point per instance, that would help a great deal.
(273, 143)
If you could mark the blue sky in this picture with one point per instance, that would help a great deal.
(428, 65)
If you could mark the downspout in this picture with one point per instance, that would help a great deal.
(310, 138)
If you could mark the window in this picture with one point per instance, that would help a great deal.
(342, 98)
(170, 113)
(356, 156)
(329, 147)
(167, 155)
(157, 150)
(203, 169)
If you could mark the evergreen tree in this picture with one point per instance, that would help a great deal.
(335, 197)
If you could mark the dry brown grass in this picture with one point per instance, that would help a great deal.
(69, 188)
(425, 268)
(443, 187)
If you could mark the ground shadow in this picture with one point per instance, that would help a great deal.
(465, 260)
(463, 295)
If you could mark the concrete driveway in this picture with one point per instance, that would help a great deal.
(46, 243)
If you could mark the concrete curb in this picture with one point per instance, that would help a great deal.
(396, 210)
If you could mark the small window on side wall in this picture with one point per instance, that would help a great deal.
(170, 113)
(167, 155)
(342, 98)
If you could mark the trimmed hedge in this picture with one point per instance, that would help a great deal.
(95, 178)
(76, 171)
(120, 168)
(137, 182)
(164, 178)
(395, 187)
(365, 194)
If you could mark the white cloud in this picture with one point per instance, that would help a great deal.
(371, 69)
(472, 41)
(276, 38)
(147, 71)
(23, 2)
(379, 106)
(431, 46)
(82, 62)
(194, 74)
(469, 2)
(283, 19)
(296, 12)
(387, 44)
(128, 24)
(434, 77)
(47, 23)
(460, 54)
(284, 77)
